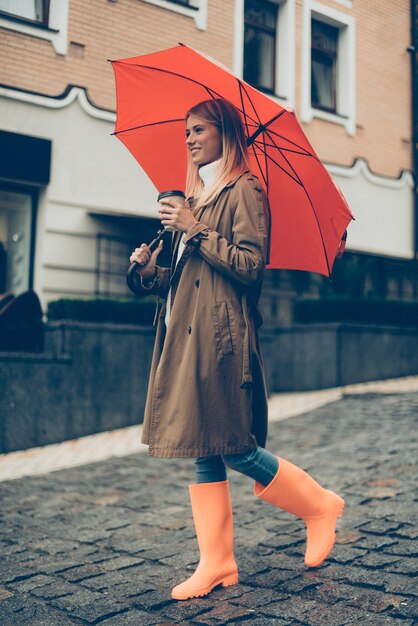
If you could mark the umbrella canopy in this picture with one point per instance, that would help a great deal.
(308, 212)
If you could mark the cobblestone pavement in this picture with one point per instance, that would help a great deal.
(104, 543)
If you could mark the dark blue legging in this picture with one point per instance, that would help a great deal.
(258, 464)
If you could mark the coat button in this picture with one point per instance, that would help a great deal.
(189, 330)
(197, 283)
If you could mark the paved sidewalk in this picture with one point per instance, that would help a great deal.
(103, 543)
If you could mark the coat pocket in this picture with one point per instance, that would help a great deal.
(222, 320)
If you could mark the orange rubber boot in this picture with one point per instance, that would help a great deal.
(212, 515)
(293, 490)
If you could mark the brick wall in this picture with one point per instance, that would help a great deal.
(99, 30)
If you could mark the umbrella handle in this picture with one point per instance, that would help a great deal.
(132, 269)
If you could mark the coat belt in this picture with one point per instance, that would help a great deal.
(247, 377)
(248, 302)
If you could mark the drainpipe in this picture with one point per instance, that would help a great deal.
(413, 50)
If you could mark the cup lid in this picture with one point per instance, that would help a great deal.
(173, 192)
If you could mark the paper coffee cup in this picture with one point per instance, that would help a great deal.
(175, 195)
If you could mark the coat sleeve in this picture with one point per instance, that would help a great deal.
(159, 287)
(244, 257)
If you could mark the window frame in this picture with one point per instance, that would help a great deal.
(326, 55)
(55, 32)
(274, 33)
(285, 50)
(44, 23)
(345, 114)
(185, 3)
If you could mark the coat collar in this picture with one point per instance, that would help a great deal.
(236, 179)
(232, 183)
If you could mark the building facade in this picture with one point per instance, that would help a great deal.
(73, 201)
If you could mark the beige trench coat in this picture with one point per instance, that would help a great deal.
(207, 390)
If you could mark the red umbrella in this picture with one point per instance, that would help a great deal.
(309, 215)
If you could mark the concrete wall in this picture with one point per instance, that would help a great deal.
(383, 209)
(319, 356)
(93, 377)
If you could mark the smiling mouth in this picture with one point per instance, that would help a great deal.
(194, 150)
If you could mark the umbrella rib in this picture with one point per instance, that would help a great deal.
(244, 112)
(272, 132)
(319, 228)
(259, 166)
(266, 161)
(211, 92)
(311, 203)
(274, 145)
(263, 128)
(268, 203)
(296, 178)
(244, 88)
(241, 89)
(125, 130)
(268, 156)
(264, 175)
(287, 161)
(265, 178)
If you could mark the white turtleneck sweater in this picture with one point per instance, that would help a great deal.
(208, 175)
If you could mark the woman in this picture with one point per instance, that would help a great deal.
(207, 394)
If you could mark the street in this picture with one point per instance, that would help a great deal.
(104, 543)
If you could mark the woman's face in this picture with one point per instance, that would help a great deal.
(203, 140)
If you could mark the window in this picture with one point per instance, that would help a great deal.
(29, 10)
(111, 251)
(264, 47)
(328, 86)
(44, 19)
(324, 42)
(15, 241)
(260, 31)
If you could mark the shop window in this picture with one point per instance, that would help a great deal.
(15, 241)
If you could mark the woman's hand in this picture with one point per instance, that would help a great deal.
(146, 260)
(176, 215)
